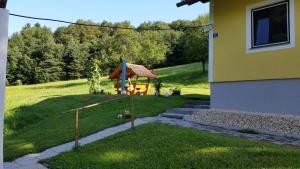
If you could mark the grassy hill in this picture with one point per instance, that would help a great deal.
(189, 78)
(34, 122)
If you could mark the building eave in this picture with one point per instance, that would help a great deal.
(190, 2)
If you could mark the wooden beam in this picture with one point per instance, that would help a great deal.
(96, 104)
(132, 110)
(76, 129)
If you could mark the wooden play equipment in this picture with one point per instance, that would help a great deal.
(133, 71)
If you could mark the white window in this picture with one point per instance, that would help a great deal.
(270, 26)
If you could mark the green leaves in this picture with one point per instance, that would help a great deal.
(94, 76)
(37, 55)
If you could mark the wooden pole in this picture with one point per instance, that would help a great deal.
(134, 86)
(76, 129)
(132, 110)
(147, 87)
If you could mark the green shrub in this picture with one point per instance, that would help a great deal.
(18, 83)
(176, 91)
(94, 77)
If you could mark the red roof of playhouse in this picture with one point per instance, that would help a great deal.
(133, 70)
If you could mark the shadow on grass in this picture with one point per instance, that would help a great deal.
(48, 108)
(42, 125)
(197, 97)
(52, 107)
(59, 86)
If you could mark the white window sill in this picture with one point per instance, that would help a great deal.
(270, 48)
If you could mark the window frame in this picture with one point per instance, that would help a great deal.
(250, 47)
(287, 3)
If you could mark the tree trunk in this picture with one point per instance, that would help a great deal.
(203, 67)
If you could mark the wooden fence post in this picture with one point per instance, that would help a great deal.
(76, 129)
(132, 110)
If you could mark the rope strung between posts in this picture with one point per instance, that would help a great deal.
(207, 26)
(96, 104)
(76, 111)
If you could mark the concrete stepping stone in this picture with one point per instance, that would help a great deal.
(185, 111)
(14, 165)
(199, 106)
(173, 116)
(10, 165)
(34, 166)
(200, 102)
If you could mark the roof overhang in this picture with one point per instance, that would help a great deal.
(190, 2)
(131, 71)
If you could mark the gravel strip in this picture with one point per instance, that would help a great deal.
(280, 125)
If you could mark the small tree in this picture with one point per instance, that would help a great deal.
(94, 76)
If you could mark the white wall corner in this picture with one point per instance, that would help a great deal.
(4, 16)
(211, 44)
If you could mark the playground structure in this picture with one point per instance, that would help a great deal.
(132, 71)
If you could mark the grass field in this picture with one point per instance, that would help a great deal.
(155, 146)
(34, 122)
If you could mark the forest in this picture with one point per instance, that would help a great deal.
(38, 54)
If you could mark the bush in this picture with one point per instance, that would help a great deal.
(18, 83)
(7, 83)
(94, 77)
(176, 91)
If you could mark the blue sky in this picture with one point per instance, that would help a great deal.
(135, 11)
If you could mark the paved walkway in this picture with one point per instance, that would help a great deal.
(31, 161)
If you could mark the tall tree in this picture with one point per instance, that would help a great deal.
(153, 49)
(195, 47)
(73, 60)
(38, 55)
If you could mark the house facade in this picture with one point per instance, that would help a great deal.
(255, 55)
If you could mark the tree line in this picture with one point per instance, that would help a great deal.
(38, 55)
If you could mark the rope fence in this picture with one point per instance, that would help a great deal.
(77, 111)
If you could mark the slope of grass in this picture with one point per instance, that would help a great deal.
(33, 119)
(59, 128)
(169, 147)
(189, 78)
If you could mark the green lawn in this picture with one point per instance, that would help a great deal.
(155, 146)
(188, 77)
(34, 122)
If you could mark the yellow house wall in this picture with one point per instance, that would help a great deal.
(230, 60)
